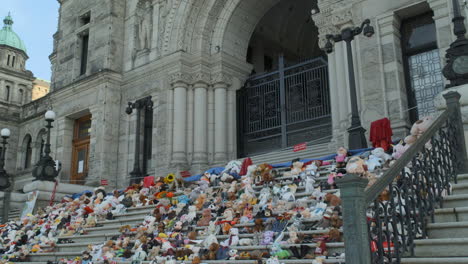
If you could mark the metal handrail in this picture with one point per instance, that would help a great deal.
(389, 176)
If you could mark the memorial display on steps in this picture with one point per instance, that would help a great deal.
(258, 213)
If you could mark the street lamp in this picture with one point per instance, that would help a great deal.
(357, 139)
(45, 167)
(4, 178)
(142, 104)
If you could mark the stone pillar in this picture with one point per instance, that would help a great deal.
(355, 228)
(179, 147)
(221, 83)
(200, 143)
(342, 90)
(2, 89)
(334, 101)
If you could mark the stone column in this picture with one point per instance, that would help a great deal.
(2, 89)
(200, 154)
(355, 228)
(220, 85)
(179, 147)
(342, 90)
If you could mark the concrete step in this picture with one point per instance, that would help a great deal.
(285, 261)
(457, 214)
(454, 260)
(462, 178)
(448, 230)
(443, 247)
(285, 155)
(331, 247)
(82, 242)
(456, 200)
(460, 188)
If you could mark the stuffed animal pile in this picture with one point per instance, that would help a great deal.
(239, 213)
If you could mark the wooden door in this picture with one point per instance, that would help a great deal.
(80, 152)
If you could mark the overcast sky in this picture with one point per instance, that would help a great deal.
(35, 21)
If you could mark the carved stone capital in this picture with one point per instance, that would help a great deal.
(180, 77)
(221, 78)
(201, 78)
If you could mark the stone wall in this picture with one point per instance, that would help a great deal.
(190, 57)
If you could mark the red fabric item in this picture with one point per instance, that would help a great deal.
(245, 164)
(148, 181)
(381, 134)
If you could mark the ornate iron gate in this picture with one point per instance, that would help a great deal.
(285, 107)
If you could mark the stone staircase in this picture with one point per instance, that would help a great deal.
(447, 241)
(287, 154)
(12, 214)
(109, 229)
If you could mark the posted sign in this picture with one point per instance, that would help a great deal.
(300, 147)
(104, 182)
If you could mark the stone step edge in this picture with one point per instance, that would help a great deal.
(219, 237)
(437, 260)
(435, 241)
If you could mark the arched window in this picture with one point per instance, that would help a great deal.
(21, 96)
(27, 151)
(7, 93)
(423, 69)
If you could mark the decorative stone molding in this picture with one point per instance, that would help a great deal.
(201, 78)
(180, 77)
(221, 78)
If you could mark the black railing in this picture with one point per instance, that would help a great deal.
(403, 201)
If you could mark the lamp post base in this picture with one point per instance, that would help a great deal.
(136, 176)
(357, 138)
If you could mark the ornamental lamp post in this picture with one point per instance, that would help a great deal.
(4, 178)
(357, 138)
(456, 70)
(45, 169)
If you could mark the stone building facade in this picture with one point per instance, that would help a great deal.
(40, 88)
(192, 56)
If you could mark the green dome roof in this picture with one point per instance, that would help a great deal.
(8, 37)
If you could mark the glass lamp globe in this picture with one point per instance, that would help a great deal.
(5, 133)
(50, 115)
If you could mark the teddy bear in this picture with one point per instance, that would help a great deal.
(356, 165)
(258, 225)
(245, 242)
(287, 193)
(340, 157)
(233, 239)
(296, 168)
(334, 235)
(380, 153)
(206, 217)
(332, 200)
(267, 238)
(212, 250)
(264, 171)
(399, 149)
(374, 163)
(233, 254)
(420, 126)
(200, 201)
(335, 220)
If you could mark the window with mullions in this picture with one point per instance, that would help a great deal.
(423, 69)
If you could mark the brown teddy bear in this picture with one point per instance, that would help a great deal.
(206, 218)
(258, 227)
(335, 220)
(332, 200)
(212, 251)
(264, 171)
(334, 235)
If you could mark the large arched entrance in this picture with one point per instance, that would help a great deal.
(286, 100)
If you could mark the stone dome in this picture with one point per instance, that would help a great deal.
(8, 37)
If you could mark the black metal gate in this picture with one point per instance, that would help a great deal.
(285, 107)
